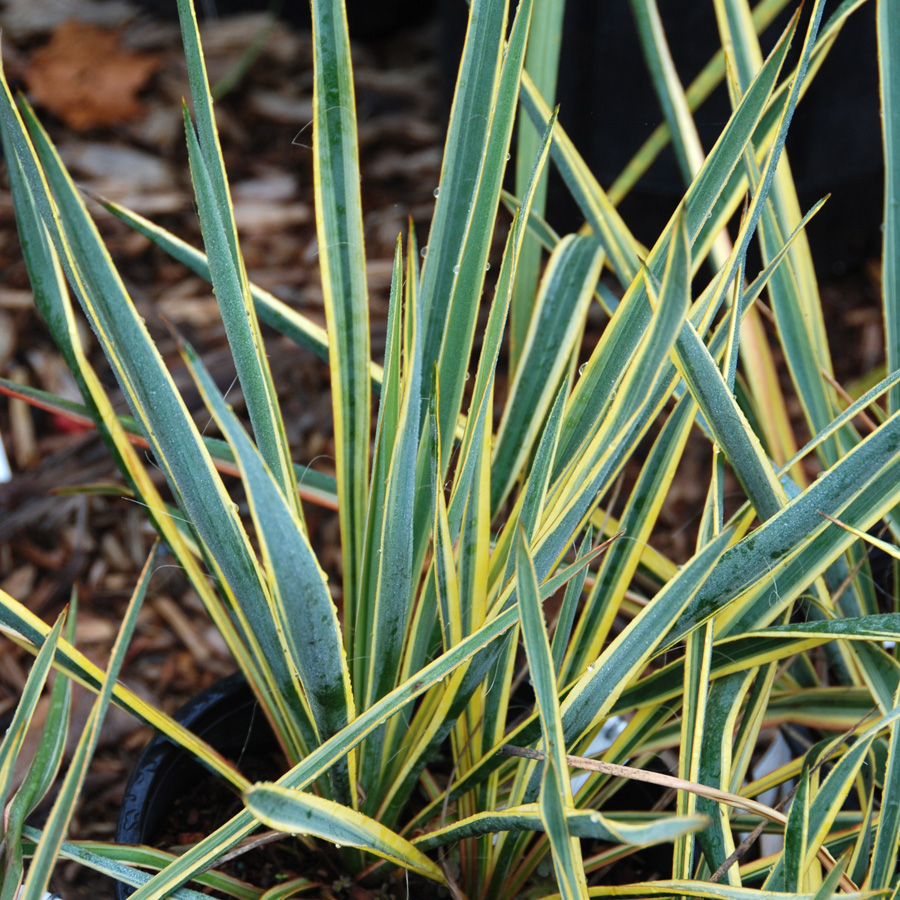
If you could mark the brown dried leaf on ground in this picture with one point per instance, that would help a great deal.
(84, 76)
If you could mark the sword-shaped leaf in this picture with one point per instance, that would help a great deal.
(297, 812)
(232, 292)
(64, 806)
(889, 61)
(31, 693)
(887, 836)
(557, 322)
(582, 823)
(556, 789)
(456, 329)
(151, 393)
(42, 768)
(119, 861)
(301, 603)
(542, 64)
(827, 802)
(343, 265)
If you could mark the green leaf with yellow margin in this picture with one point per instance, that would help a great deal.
(297, 812)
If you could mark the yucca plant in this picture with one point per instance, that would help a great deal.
(461, 518)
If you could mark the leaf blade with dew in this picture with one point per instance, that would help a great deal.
(641, 392)
(297, 812)
(556, 790)
(493, 332)
(730, 428)
(562, 631)
(581, 823)
(229, 275)
(542, 64)
(359, 632)
(394, 577)
(594, 694)
(445, 575)
(566, 290)
(495, 707)
(467, 137)
(697, 658)
(859, 489)
(887, 837)
(457, 328)
(298, 586)
(397, 544)
(619, 565)
(888, 23)
(238, 314)
(796, 835)
(342, 261)
(759, 647)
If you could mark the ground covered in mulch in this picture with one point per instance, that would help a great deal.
(107, 82)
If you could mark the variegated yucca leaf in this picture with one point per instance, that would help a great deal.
(888, 32)
(120, 863)
(542, 65)
(342, 262)
(54, 831)
(555, 800)
(43, 767)
(298, 586)
(301, 813)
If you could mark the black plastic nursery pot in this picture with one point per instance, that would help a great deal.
(169, 792)
(172, 801)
